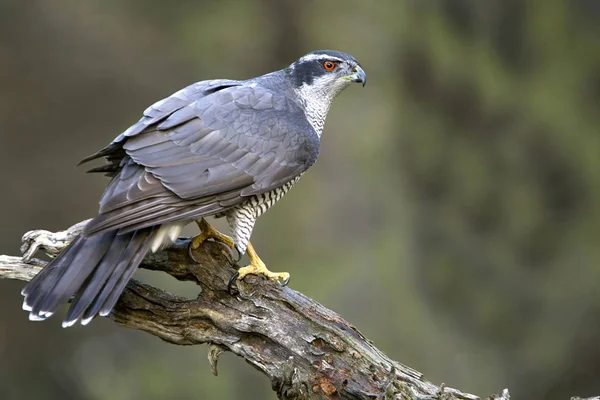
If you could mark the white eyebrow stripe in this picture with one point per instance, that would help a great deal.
(312, 57)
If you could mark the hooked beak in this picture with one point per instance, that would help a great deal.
(359, 75)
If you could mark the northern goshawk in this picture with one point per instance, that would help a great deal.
(223, 148)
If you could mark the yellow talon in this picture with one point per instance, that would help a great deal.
(208, 232)
(258, 267)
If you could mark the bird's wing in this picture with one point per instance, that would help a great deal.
(154, 114)
(206, 157)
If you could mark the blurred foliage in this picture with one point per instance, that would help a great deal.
(457, 218)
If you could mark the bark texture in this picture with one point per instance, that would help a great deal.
(306, 350)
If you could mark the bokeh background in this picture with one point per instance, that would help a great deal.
(453, 216)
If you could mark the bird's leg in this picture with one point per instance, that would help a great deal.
(208, 232)
(257, 267)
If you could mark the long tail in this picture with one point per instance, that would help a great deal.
(94, 269)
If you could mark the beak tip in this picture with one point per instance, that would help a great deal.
(359, 76)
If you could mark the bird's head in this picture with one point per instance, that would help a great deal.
(326, 71)
(318, 77)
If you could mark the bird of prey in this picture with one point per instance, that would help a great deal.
(223, 148)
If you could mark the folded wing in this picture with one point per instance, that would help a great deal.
(201, 153)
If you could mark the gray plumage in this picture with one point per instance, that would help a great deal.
(221, 148)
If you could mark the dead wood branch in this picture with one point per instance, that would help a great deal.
(306, 350)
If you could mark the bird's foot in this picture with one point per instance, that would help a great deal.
(208, 232)
(261, 269)
(257, 267)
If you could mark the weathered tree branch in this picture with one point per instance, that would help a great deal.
(306, 350)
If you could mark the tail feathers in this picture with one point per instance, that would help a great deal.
(94, 269)
(46, 277)
(70, 277)
(143, 245)
(121, 270)
(45, 280)
(98, 278)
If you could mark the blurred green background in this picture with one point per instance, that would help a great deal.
(453, 215)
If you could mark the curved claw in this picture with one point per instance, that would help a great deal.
(191, 253)
(286, 281)
(231, 281)
(239, 254)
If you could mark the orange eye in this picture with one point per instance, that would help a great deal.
(329, 65)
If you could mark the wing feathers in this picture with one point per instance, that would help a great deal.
(201, 154)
